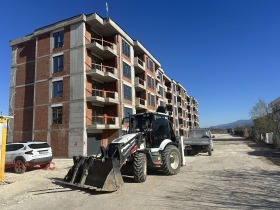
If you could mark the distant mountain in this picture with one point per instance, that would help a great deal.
(234, 124)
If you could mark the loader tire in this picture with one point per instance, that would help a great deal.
(171, 160)
(140, 167)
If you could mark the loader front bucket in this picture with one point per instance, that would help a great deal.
(100, 173)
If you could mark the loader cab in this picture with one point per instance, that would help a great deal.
(156, 127)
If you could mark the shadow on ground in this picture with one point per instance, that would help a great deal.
(230, 189)
(263, 150)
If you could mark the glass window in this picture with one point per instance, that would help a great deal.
(58, 39)
(13, 147)
(39, 145)
(151, 100)
(160, 90)
(126, 70)
(151, 66)
(57, 115)
(97, 115)
(175, 99)
(57, 89)
(127, 93)
(125, 48)
(58, 63)
(160, 76)
(151, 83)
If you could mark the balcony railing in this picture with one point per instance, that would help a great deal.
(102, 42)
(140, 102)
(140, 81)
(103, 120)
(102, 68)
(101, 47)
(104, 94)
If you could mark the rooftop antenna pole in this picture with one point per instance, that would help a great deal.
(107, 9)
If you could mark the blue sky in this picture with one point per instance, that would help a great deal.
(225, 52)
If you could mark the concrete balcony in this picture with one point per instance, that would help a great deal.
(141, 103)
(102, 73)
(158, 78)
(179, 104)
(102, 97)
(103, 122)
(159, 94)
(169, 90)
(169, 102)
(102, 48)
(139, 84)
(139, 65)
(181, 126)
(180, 115)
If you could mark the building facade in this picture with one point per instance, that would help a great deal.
(275, 106)
(72, 82)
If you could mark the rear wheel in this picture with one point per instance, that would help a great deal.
(140, 167)
(171, 159)
(19, 166)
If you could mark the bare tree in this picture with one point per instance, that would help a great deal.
(262, 117)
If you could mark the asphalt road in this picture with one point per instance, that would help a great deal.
(239, 175)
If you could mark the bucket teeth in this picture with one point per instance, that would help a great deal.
(91, 171)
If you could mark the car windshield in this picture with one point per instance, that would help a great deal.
(140, 123)
(198, 133)
(39, 146)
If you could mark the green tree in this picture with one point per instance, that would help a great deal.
(262, 117)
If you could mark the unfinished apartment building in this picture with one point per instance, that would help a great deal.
(72, 82)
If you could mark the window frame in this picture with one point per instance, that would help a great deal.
(57, 115)
(58, 39)
(58, 93)
(126, 70)
(126, 48)
(58, 63)
(125, 94)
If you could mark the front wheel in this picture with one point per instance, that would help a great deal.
(210, 151)
(140, 167)
(171, 159)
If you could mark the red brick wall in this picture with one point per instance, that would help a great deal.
(89, 113)
(108, 136)
(22, 136)
(24, 96)
(23, 119)
(59, 143)
(43, 68)
(40, 135)
(43, 44)
(42, 93)
(41, 118)
(26, 51)
(25, 73)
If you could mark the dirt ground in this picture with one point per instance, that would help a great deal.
(240, 175)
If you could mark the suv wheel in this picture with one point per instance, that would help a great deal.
(19, 166)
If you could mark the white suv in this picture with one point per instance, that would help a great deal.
(25, 155)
